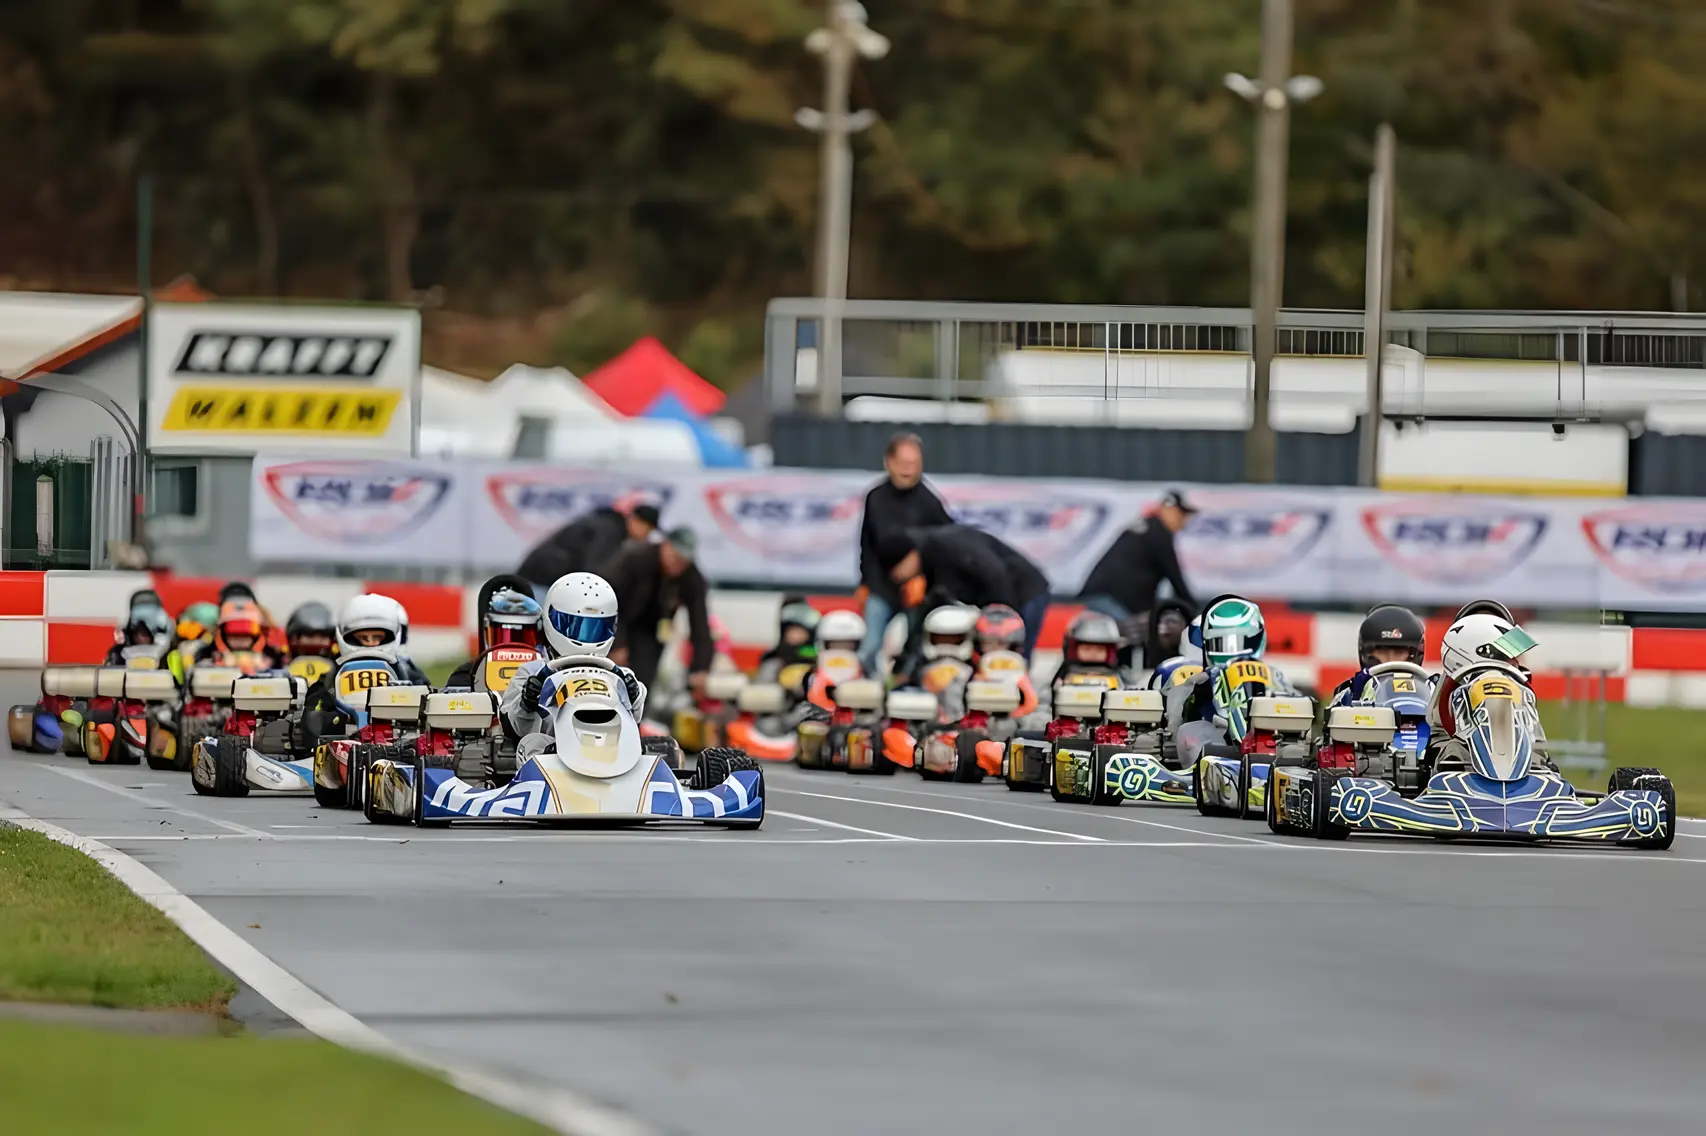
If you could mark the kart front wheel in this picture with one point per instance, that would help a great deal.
(1657, 782)
(1325, 827)
(966, 768)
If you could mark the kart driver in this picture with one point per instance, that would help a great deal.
(1090, 647)
(1000, 628)
(509, 617)
(367, 629)
(311, 632)
(1483, 631)
(1389, 634)
(839, 632)
(191, 635)
(1232, 629)
(795, 641)
(580, 619)
(239, 632)
(146, 625)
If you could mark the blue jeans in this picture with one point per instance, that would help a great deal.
(878, 613)
(1033, 613)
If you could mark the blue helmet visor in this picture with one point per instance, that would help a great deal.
(584, 628)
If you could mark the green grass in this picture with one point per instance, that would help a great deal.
(1666, 738)
(71, 933)
(439, 673)
(78, 1082)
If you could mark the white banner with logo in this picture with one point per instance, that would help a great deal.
(801, 528)
(238, 378)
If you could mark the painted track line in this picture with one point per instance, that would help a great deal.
(153, 803)
(556, 1108)
(837, 824)
(948, 812)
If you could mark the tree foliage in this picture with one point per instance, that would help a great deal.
(641, 156)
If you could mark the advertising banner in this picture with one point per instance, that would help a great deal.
(800, 528)
(237, 378)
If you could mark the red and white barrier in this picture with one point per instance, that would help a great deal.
(69, 617)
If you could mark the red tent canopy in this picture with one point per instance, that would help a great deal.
(639, 376)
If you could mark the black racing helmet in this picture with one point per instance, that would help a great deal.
(1391, 626)
(1092, 638)
(1485, 607)
(311, 623)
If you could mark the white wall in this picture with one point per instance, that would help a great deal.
(62, 423)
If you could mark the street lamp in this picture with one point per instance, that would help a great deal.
(1273, 94)
(846, 37)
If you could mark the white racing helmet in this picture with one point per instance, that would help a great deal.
(844, 629)
(580, 615)
(948, 631)
(371, 612)
(1470, 641)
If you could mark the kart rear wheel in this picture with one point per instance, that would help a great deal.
(230, 767)
(190, 731)
(21, 728)
(1246, 777)
(966, 769)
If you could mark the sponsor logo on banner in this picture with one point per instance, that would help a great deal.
(1453, 543)
(1044, 524)
(785, 517)
(1250, 535)
(327, 410)
(536, 502)
(355, 502)
(263, 354)
(1661, 547)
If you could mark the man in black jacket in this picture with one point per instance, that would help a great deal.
(960, 564)
(891, 507)
(1123, 583)
(585, 543)
(653, 580)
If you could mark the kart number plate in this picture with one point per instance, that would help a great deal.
(1183, 675)
(1403, 686)
(351, 681)
(141, 663)
(793, 677)
(310, 669)
(1106, 681)
(1248, 672)
(581, 688)
(940, 677)
(1491, 690)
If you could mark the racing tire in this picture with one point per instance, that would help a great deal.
(966, 769)
(1246, 777)
(1270, 810)
(422, 764)
(1623, 778)
(368, 812)
(190, 731)
(1204, 806)
(21, 728)
(1325, 828)
(124, 751)
(338, 798)
(229, 767)
(72, 744)
(673, 753)
(1667, 792)
(1023, 786)
(716, 763)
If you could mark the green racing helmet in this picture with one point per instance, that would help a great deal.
(1231, 628)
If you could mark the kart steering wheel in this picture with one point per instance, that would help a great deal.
(566, 661)
(1413, 669)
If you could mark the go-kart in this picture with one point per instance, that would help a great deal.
(49, 725)
(115, 731)
(1122, 759)
(701, 723)
(856, 702)
(595, 767)
(1232, 776)
(970, 747)
(1403, 689)
(385, 721)
(1493, 784)
(1074, 706)
(201, 711)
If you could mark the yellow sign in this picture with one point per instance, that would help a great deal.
(283, 410)
(1247, 672)
(793, 677)
(351, 681)
(1362, 719)
(141, 663)
(1106, 681)
(581, 688)
(465, 705)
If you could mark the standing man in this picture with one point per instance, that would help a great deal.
(1123, 583)
(586, 543)
(891, 507)
(963, 565)
(653, 580)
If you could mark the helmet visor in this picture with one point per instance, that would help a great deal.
(584, 628)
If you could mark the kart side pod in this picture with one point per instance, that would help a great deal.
(263, 695)
(724, 686)
(860, 694)
(473, 712)
(992, 697)
(1139, 707)
(761, 698)
(1282, 715)
(213, 682)
(1361, 725)
(69, 682)
(1078, 702)
(396, 703)
(911, 706)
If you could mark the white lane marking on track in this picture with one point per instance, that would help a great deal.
(1404, 846)
(1099, 814)
(120, 790)
(554, 1107)
(949, 812)
(838, 824)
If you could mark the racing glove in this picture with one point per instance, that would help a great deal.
(532, 689)
(633, 685)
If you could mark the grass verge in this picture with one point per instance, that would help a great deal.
(1666, 738)
(79, 1082)
(71, 933)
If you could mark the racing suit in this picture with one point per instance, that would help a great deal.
(532, 730)
(1443, 743)
(1190, 712)
(1354, 688)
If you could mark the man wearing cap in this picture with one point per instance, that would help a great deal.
(1124, 582)
(901, 502)
(653, 580)
(587, 542)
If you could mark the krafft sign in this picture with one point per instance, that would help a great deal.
(237, 378)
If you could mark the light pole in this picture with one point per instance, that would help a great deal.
(845, 38)
(1377, 294)
(1272, 93)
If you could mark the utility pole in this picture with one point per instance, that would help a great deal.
(1377, 294)
(845, 38)
(145, 288)
(1272, 92)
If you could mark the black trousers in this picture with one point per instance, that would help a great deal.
(644, 655)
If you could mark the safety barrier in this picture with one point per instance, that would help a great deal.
(69, 617)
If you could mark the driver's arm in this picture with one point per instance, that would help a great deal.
(518, 718)
(636, 691)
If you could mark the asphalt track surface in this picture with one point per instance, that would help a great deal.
(887, 956)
